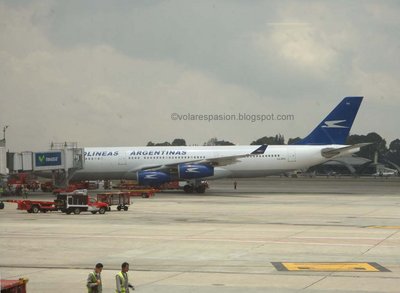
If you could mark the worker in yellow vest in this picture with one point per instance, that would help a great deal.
(93, 283)
(121, 278)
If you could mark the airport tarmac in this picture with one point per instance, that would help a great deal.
(261, 237)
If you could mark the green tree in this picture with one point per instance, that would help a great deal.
(175, 142)
(215, 141)
(178, 142)
(224, 142)
(271, 140)
(378, 145)
(393, 154)
(165, 143)
(294, 140)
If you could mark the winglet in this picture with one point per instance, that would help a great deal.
(260, 150)
(335, 128)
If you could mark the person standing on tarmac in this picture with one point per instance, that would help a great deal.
(25, 191)
(93, 283)
(121, 278)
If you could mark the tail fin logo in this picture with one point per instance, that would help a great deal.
(334, 124)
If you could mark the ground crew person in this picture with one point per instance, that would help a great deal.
(25, 191)
(93, 283)
(121, 278)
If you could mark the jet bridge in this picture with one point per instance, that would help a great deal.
(58, 163)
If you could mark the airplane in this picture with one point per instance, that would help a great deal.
(154, 166)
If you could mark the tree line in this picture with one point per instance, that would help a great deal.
(379, 146)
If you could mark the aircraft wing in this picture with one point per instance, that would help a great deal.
(217, 161)
(223, 161)
(332, 152)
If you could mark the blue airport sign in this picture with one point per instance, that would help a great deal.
(48, 159)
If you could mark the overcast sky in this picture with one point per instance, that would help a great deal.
(111, 73)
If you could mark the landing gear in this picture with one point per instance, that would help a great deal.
(199, 187)
(188, 188)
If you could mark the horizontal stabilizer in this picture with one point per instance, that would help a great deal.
(332, 152)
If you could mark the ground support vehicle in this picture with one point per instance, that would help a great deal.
(137, 190)
(47, 186)
(23, 179)
(76, 203)
(173, 185)
(143, 192)
(121, 199)
(13, 286)
(36, 206)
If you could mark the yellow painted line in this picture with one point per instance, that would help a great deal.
(329, 266)
(384, 227)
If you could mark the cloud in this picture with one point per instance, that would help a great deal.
(106, 74)
(97, 95)
(298, 44)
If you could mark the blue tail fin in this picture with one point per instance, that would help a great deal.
(335, 128)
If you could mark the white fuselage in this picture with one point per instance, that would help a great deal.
(124, 162)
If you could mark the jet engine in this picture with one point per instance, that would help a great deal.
(194, 171)
(152, 178)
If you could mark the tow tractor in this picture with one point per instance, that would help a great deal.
(76, 203)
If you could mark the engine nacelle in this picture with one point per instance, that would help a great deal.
(152, 178)
(194, 171)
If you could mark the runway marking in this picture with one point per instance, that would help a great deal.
(339, 238)
(180, 238)
(384, 227)
(330, 266)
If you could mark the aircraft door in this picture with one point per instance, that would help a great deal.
(122, 160)
(291, 154)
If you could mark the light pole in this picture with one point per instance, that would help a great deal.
(4, 133)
